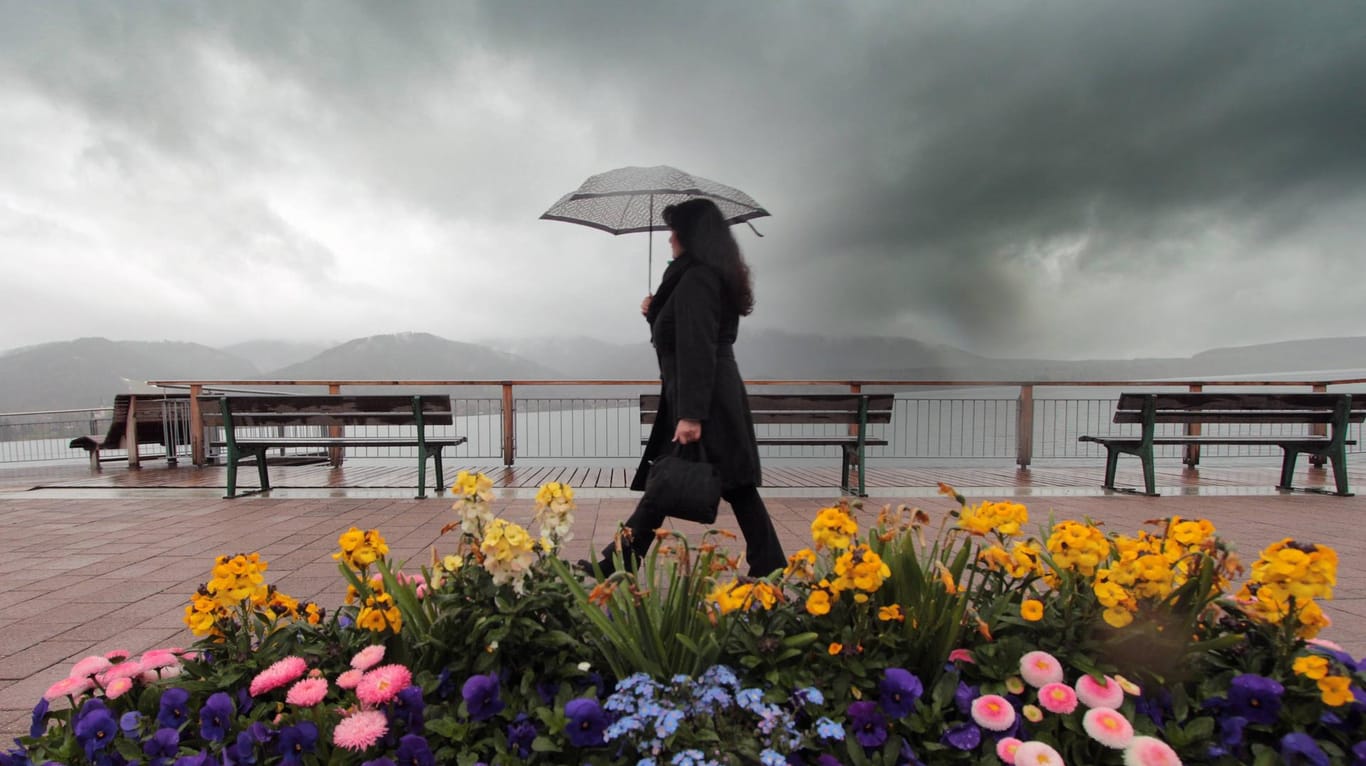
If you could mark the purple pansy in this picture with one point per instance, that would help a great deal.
(162, 746)
(413, 750)
(587, 725)
(215, 717)
(1256, 698)
(297, 741)
(173, 710)
(963, 736)
(899, 691)
(868, 723)
(1301, 749)
(521, 732)
(481, 697)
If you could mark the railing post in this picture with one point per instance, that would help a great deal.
(1024, 427)
(509, 425)
(130, 432)
(334, 454)
(196, 427)
(1318, 429)
(1192, 457)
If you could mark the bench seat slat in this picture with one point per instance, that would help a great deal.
(1127, 416)
(1236, 441)
(345, 441)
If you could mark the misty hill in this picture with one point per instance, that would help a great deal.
(413, 356)
(275, 354)
(89, 371)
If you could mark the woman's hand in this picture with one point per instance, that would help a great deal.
(688, 431)
(645, 305)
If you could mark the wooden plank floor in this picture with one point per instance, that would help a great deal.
(1214, 477)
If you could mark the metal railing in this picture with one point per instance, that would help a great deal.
(931, 420)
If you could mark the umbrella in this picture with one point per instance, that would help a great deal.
(631, 199)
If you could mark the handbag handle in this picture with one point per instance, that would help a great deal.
(701, 452)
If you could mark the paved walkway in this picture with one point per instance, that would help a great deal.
(113, 570)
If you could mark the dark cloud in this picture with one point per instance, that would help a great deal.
(988, 174)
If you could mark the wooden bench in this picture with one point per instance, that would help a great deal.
(152, 418)
(1335, 411)
(856, 410)
(253, 424)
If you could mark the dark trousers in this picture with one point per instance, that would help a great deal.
(762, 549)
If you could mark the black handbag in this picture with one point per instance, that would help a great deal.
(684, 488)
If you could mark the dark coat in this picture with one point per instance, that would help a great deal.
(693, 334)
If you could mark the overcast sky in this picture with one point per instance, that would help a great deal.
(1064, 179)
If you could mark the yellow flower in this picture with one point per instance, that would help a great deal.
(801, 565)
(1032, 610)
(726, 597)
(360, 549)
(891, 613)
(1336, 690)
(861, 569)
(1078, 547)
(1117, 617)
(452, 563)
(1003, 518)
(818, 603)
(1311, 666)
(833, 528)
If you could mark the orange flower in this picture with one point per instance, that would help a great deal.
(835, 648)
(1032, 610)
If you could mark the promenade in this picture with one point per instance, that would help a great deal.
(97, 562)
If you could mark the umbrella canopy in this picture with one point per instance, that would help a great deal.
(631, 199)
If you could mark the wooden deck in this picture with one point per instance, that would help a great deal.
(371, 476)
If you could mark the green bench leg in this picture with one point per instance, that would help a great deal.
(1339, 460)
(262, 470)
(1111, 463)
(421, 473)
(1288, 468)
(1149, 472)
(440, 485)
(232, 472)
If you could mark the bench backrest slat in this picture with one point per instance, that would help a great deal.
(327, 410)
(799, 408)
(1238, 408)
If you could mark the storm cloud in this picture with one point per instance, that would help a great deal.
(1062, 179)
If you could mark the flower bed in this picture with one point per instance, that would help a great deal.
(895, 638)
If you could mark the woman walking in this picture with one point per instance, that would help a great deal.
(694, 319)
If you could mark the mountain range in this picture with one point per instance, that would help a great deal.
(88, 372)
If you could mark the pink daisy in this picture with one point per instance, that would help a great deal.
(368, 657)
(90, 666)
(961, 655)
(307, 693)
(282, 672)
(117, 655)
(158, 658)
(122, 670)
(1034, 753)
(1040, 669)
(69, 687)
(360, 730)
(349, 679)
(1150, 751)
(1108, 727)
(382, 684)
(1058, 698)
(118, 687)
(1006, 748)
(994, 712)
(1093, 693)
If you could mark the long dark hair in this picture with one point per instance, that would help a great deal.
(705, 235)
